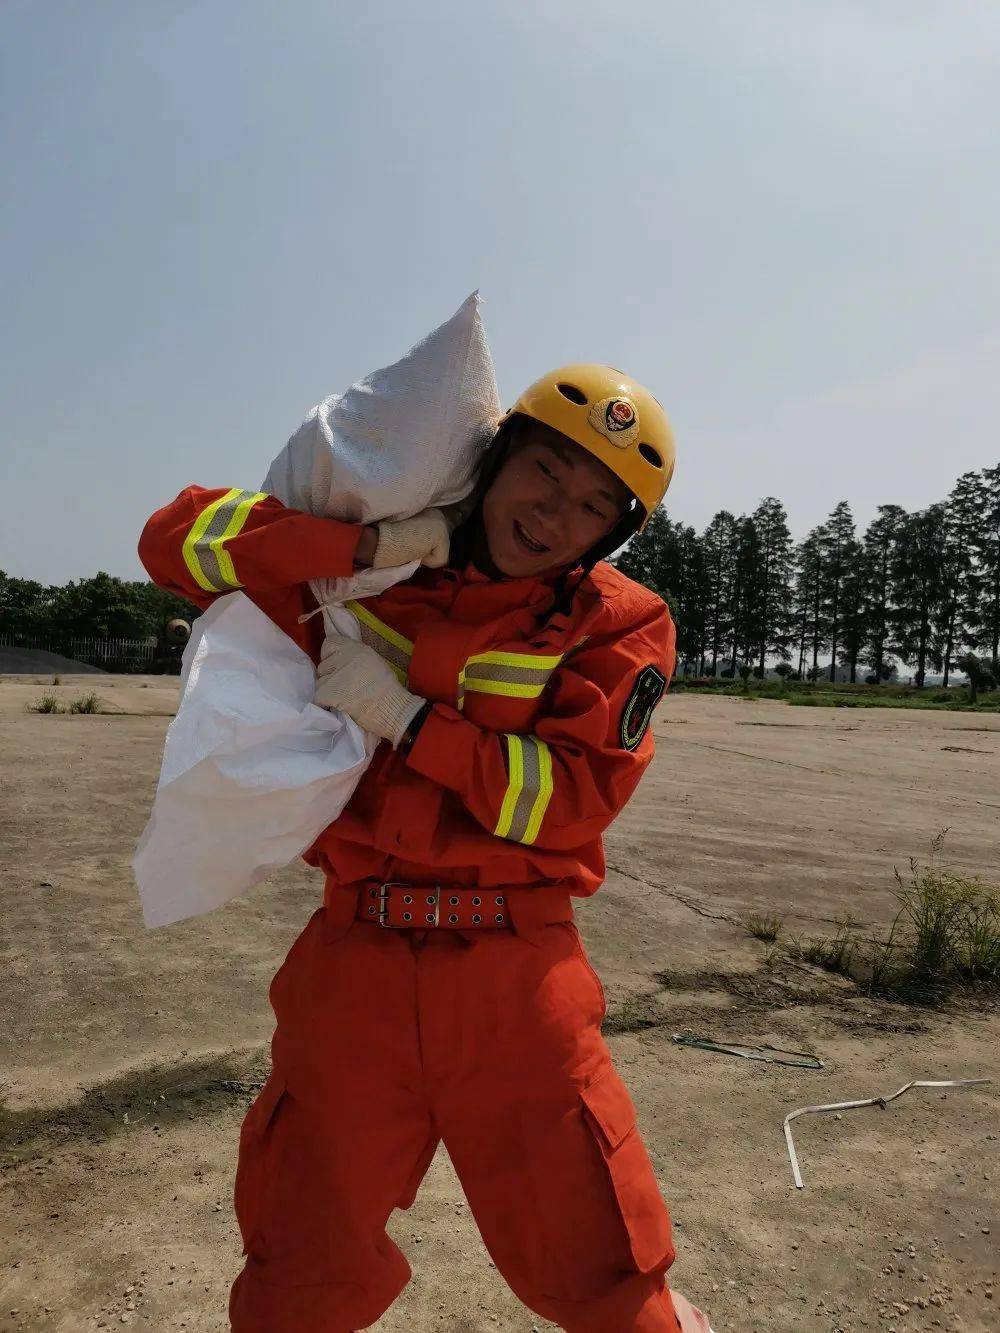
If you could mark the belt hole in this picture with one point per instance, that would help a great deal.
(454, 918)
(372, 910)
(407, 899)
(430, 902)
(499, 918)
(430, 918)
(476, 902)
(476, 919)
(499, 902)
(454, 902)
(407, 916)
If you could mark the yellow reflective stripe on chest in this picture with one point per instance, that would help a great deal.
(390, 645)
(529, 788)
(204, 549)
(517, 675)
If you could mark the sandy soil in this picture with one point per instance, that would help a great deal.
(128, 1057)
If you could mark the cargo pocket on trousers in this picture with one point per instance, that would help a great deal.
(251, 1170)
(592, 972)
(611, 1117)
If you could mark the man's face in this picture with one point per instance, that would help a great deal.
(550, 502)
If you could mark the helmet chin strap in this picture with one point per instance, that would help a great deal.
(618, 536)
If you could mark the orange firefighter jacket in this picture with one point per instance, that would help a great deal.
(539, 731)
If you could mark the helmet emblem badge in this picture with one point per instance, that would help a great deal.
(620, 414)
(617, 420)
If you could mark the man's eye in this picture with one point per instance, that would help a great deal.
(547, 470)
(597, 512)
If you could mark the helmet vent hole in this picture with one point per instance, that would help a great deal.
(651, 455)
(574, 394)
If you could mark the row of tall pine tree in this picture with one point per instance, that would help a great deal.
(918, 588)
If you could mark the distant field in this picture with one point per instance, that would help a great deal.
(823, 694)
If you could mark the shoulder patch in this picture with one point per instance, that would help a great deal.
(646, 694)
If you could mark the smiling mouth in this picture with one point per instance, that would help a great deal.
(527, 541)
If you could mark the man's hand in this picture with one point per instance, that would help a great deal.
(425, 537)
(353, 679)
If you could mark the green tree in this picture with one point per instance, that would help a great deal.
(980, 677)
(877, 563)
(666, 557)
(99, 607)
(771, 615)
(687, 579)
(960, 582)
(839, 551)
(23, 606)
(646, 556)
(918, 581)
(718, 543)
(987, 548)
(744, 591)
(852, 613)
(812, 626)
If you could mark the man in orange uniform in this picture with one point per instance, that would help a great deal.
(442, 992)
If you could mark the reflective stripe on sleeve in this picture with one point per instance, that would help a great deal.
(390, 645)
(529, 788)
(516, 675)
(204, 549)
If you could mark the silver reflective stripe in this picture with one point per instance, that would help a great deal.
(529, 788)
(530, 779)
(204, 549)
(515, 675)
(395, 648)
(397, 659)
(220, 522)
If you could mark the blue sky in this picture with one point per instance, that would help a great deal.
(781, 216)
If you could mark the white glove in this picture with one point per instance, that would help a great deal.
(353, 679)
(424, 537)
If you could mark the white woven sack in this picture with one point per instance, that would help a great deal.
(252, 770)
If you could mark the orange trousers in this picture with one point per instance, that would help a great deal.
(388, 1042)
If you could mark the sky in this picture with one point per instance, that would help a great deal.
(781, 216)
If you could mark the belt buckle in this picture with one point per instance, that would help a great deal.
(426, 905)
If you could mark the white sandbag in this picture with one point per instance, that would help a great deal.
(401, 439)
(252, 770)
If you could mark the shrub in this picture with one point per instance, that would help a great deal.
(954, 925)
(980, 676)
(761, 927)
(836, 954)
(946, 932)
(57, 680)
(48, 703)
(88, 703)
(977, 940)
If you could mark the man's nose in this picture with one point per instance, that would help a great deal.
(551, 505)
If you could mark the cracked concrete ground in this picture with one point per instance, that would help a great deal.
(128, 1058)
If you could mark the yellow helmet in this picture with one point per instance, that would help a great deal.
(613, 418)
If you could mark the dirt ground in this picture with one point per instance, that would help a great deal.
(128, 1058)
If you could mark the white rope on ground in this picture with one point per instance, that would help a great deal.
(868, 1101)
